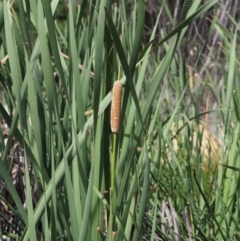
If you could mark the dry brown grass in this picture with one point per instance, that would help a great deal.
(203, 142)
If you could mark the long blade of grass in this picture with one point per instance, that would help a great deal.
(123, 59)
(143, 199)
(13, 57)
(230, 79)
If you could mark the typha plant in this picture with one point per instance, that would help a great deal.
(115, 125)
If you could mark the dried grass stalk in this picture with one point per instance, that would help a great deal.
(116, 106)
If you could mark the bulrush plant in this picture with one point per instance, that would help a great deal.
(115, 125)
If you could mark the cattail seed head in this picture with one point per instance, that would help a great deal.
(116, 106)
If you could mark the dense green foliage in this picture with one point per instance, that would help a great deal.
(172, 170)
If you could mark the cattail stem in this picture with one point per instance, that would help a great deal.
(112, 189)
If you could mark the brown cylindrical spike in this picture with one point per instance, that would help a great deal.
(116, 106)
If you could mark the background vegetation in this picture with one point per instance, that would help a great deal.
(172, 170)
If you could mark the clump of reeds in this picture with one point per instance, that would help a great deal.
(210, 147)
